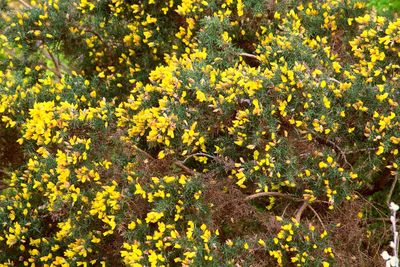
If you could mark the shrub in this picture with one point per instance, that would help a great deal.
(205, 133)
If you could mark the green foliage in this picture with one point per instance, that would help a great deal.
(386, 5)
(195, 133)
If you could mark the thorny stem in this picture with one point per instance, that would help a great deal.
(57, 64)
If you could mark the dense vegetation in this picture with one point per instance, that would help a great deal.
(197, 133)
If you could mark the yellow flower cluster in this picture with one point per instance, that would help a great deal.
(145, 126)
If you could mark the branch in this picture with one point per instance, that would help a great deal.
(96, 34)
(143, 152)
(284, 211)
(185, 168)
(378, 209)
(304, 205)
(343, 155)
(300, 211)
(248, 55)
(335, 147)
(334, 80)
(303, 208)
(55, 62)
(180, 164)
(25, 4)
(316, 214)
(379, 219)
(322, 141)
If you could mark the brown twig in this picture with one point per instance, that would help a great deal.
(25, 4)
(284, 210)
(248, 55)
(378, 209)
(335, 147)
(334, 80)
(178, 163)
(56, 65)
(300, 211)
(305, 204)
(342, 154)
(316, 214)
(185, 168)
(95, 33)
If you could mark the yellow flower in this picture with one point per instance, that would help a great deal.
(200, 96)
(381, 149)
(154, 216)
(327, 103)
(322, 165)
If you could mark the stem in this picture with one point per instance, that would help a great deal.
(57, 67)
(248, 55)
(300, 211)
(316, 214)
(185, 168)
(335, 147)
(143, 152)
(25, 4)
(334, 80)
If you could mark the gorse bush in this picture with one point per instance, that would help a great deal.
(195, 133)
